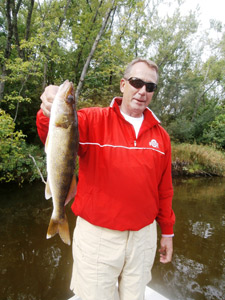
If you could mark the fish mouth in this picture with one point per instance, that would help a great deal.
(67, 89)
(70, 97)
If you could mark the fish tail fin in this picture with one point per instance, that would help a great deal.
(61, 227)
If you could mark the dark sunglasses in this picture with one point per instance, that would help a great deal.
(138, 84)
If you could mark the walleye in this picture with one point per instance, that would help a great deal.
(61, 148)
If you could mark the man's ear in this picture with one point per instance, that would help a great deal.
(122, 85)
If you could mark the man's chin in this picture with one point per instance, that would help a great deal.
(139, 104)
(137, 110)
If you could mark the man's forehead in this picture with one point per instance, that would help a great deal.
(142, 70)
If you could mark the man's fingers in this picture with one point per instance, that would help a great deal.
(166, 250)
(47, 99)
(46, 111)
(165, 255)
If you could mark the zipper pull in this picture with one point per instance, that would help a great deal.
(135, 143)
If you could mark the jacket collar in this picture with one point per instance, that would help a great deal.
(150, 118)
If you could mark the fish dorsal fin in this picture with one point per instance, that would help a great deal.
(72, 190)
(48, 193)
(46, 143)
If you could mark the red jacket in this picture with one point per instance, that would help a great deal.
(124, 183)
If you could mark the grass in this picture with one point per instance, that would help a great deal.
(193, 159)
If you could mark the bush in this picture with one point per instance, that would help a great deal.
(15, 162)
(181, 130)
(216, 132)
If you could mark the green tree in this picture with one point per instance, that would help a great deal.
(215, 134)
(90, 42)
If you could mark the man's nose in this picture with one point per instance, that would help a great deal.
(142, 90)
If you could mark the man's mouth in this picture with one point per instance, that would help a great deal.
(139, 100)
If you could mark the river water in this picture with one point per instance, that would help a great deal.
(34, 268)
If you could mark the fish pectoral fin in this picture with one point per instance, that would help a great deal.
(72, 190)
(61, 227)
(48, 193)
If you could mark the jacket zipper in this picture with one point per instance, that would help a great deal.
(135, 143)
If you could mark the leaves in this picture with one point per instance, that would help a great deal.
(46, 42)
(216, 132)
(15, 164)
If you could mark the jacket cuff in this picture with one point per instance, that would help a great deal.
(166, 229)
(167, 235)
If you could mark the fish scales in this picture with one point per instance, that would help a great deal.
(61, 149)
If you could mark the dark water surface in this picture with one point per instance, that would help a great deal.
(34, 268)
(198, 268)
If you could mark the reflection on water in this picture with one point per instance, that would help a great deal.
(32, 267)
(197, 271)
(202, 229)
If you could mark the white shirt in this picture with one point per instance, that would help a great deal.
(136, 122)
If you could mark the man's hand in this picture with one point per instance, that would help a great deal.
(166, 249)
(47, 98)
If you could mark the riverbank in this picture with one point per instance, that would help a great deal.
(187, 160)
(197, 160)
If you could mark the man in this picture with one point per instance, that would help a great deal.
(124, 187)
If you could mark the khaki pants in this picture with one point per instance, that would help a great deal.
(103, 257)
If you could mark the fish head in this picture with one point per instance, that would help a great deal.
(66, 94)
(63, 112)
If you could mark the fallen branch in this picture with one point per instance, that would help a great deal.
(39, 171)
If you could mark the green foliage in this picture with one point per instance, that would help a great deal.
(13, 99)
(181, 130)
(54, 44)
(184, 129)
(215, 134)
(15, 163)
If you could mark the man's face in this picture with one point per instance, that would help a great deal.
(136, 100)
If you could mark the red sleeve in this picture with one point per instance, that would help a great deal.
(42, 123)
(166, 216)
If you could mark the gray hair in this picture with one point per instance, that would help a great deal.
(148, 62)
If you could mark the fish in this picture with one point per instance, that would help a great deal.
(61, 150)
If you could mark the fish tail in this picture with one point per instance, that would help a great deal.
(61, 227)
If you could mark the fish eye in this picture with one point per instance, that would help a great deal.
(70, 98)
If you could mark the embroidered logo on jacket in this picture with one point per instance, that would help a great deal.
(154, 143)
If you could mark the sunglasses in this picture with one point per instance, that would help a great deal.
(138, 84)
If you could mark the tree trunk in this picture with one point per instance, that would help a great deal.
(15, 10)
(45, 50)
(7, 48)
(29, 15)
(94, 46)
(86, 38)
